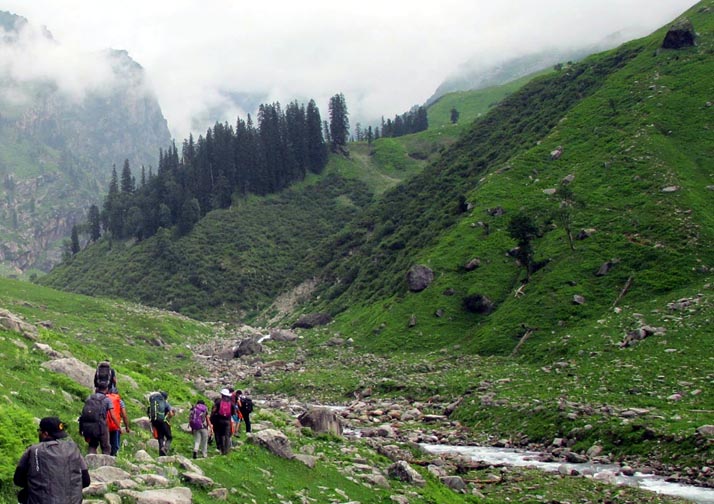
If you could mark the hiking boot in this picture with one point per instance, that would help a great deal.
(195, 454)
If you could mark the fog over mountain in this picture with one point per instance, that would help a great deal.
(384, 56)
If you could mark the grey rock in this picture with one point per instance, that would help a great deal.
(321, 420)
(419, 277)
(274, 441)
(193, 478)
(454, 482)
(96, 460)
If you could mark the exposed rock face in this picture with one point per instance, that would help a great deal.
(419, 277)
(248, 346)
(11, 322)
(681, 34)
(321, 420)
(75, 141)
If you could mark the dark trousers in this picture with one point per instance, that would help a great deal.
(222, 432)
(246, 420)
(163, 431)
(115, 441)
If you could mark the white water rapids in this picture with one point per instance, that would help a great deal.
(605, 473)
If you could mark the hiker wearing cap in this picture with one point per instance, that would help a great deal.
(52, 471)
(221, 418)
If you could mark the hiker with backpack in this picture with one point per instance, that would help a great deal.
(53, 470)
(105, 377)
(221, 418)
(159, 412)
(93, 421)
(114, 427)
(200, 424)
(245, 407)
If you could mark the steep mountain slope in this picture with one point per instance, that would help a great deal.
(60, 134)
(634, 127)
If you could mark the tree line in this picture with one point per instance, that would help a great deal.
(260, 159)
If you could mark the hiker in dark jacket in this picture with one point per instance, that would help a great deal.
(93, 425)
(223, 409)
(245, 406)
(52, 471)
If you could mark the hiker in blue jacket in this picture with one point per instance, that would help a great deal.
(52, 471)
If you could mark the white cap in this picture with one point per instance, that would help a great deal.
(225, 392)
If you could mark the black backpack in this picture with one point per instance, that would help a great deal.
(246, 405)
(104, 376)
(93, 415)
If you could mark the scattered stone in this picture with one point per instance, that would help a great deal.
(282, 335)
(495, 212)
(402, 471)
(578, 299)
(193, 478)
(550, 191)
(585, 233)
(706, 431)
(479, 303)
(419, 277)
(97, 460)
(412, 321)
(472, 264)
(15, 323)
(605, 268)
(556, 153)
(310, 320)
(456, 483)
(178, 495)
(108, 474)
(568, 179)
(671, 189)
(74, 369)
(309, 460)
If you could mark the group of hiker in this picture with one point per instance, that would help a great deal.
(54, 470)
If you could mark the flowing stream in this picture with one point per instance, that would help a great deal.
(605, 473)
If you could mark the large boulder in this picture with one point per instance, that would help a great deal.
(404, 472)
(321, 420)
(419, 277)
(681, 34)
(177, 495)
(274, 441)
(282, 335)
(73, 368)
(248, 346)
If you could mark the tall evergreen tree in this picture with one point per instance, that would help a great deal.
(127, 181)
(75, 241)
(316, 147)
(339, 122)
(93, 221)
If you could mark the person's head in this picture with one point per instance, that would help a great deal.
(164, 394)
(52, 428)
(200, 401)
(225, 392)
(239, 392)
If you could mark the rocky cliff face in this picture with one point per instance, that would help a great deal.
(60, 134)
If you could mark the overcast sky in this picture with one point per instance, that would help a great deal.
(384, 55)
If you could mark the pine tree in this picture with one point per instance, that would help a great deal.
(75, 241)
(94, 223)
(316, 147)
(339, 122)
(127, 181)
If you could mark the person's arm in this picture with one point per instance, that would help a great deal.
(20, 477)
(86, 480)
(124, 417)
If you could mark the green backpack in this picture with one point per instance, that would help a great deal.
(157, 407)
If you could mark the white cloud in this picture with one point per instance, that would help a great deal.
(384, 55)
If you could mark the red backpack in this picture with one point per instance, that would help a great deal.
(116, 401)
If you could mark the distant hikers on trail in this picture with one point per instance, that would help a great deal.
(245, 407)
(53, 470)
(160, 412)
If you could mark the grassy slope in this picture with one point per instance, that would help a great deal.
(91, 329)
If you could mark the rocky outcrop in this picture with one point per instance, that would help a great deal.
(11, 322)
(681, 34)
(274, 441)
(311, 320)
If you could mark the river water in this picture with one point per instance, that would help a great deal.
(602, 472)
